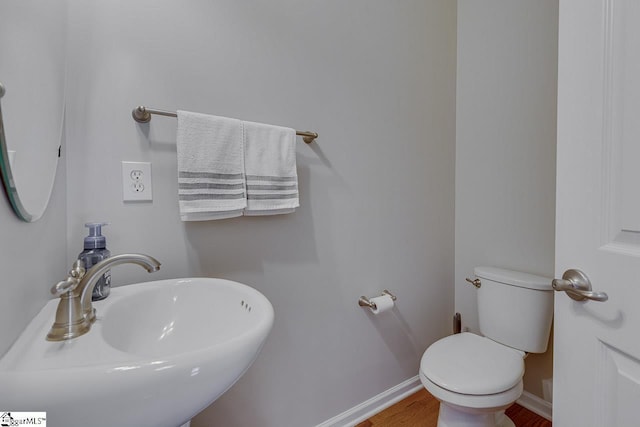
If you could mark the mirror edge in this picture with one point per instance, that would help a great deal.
(9, 186)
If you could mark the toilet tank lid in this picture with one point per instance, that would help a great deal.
(514, 278)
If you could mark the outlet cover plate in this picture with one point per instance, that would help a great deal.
(136, 182)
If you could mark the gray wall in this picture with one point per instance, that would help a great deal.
(32, 259)
(376, 80)
(505, 148)
(32, 255)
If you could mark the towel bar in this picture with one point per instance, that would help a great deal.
(143, 114)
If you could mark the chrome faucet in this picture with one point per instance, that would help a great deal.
(75, 313)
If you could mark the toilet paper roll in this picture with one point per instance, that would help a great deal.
(383, 303)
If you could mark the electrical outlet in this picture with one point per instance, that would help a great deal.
(136, 182)
(136, 174)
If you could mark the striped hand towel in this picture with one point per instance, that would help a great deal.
(270, 167)
(211, 180)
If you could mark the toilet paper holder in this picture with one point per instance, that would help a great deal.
(365, 302)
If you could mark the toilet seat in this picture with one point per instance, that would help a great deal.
(467, 402)
(469, 364)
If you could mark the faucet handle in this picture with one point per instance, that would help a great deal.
(64, 286)
(77, 270)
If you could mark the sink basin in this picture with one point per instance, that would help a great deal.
(158, 353)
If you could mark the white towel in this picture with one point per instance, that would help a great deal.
(270, 168)
(211, 181)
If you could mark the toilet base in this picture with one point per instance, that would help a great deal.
(450, 416)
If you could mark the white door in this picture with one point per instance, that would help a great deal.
(597, 344)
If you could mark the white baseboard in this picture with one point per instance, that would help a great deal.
(535, 404)
(382, 401)
(374, 405)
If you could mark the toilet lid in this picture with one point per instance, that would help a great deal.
(470, 364)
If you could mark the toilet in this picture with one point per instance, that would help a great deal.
(475, 377)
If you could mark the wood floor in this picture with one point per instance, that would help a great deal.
(421, 410)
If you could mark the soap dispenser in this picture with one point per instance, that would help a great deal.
(95, 250)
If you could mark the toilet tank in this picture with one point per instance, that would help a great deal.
(514, 308)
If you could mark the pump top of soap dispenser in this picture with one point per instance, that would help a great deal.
(95, 239)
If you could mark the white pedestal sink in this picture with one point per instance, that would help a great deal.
(158, 353)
